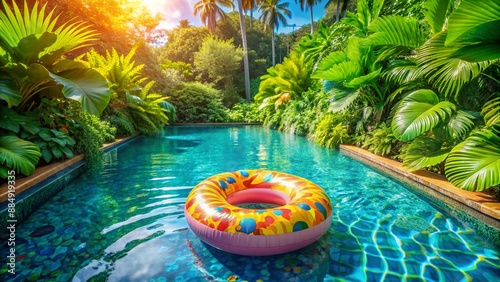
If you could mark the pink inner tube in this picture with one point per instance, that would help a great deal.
(303, 213)
(244, 244)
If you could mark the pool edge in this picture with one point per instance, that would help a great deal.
(33, 191)
(435, 187)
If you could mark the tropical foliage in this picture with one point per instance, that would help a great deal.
(274, 12)
(132, 108)
(419, 80)
(49, 104)
(31, 51)
(197, 102)
(284, 82)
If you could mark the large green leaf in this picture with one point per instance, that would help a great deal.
(340, 72)
(475, 21)
(9, 93)
(401, 72)
(478, 52)
(396, 36)
(29, 48)
(419, 112)
(424, 152)
(435, 13)
(475, 163)
(460, 124)
(446, 73)
(491, 112)
(16, 26)
(363, 80)
(331, 60)
(12, 121)
(341, 99)
(18, 154)
(86, 86)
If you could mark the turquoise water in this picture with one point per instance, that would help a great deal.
(126, 222)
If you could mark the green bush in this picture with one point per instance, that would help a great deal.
(90, 134)
(197, 102)
(53, 144)
(331, 132)
(380, 141)
(244, 112)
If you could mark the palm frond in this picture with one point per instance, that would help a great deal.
(491, 112)
(447, 74)
(420, 112)
(341, 99)
(435, 13)
(460, 124)
(424, 152)
(16, 26)
(474, 164)
(474, 21)
(401, 72)
(396, 35)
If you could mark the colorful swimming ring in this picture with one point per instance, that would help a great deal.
(302, 216)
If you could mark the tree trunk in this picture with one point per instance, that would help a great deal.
(245, 52)
(337, 18)
(272, 47)
(251, 19)
(312, 20)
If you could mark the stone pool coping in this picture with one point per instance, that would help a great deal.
(44, 172)
(431, 183)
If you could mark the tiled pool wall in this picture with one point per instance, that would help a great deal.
(32, 198)
(486, 226)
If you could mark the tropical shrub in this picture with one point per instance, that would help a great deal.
(133, 108)
(32, 62)
(323, 41)
(91, 133)
(331, 132)
(88, 131)
(197, 102)
(53, 144)
(284, 82)
(449, 60)
(380, 141)
(244, 112)
(16, 153)
(221, 61)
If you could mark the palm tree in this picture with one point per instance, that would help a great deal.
(274, 12)
(250, 5)
(304, 4)
(184, 24)
(246, 5)
(340, 7)
(210, 11)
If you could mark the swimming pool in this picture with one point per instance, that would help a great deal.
(126, 222)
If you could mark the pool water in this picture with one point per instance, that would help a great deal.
(126, 223)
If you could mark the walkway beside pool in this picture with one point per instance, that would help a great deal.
(435, 184)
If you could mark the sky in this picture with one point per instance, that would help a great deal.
(175, 10)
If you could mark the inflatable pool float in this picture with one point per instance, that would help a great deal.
(302, 215)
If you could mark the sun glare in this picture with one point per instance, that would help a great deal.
(159, 6)
(172, 10)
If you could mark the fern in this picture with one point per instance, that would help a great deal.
(284, 82)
